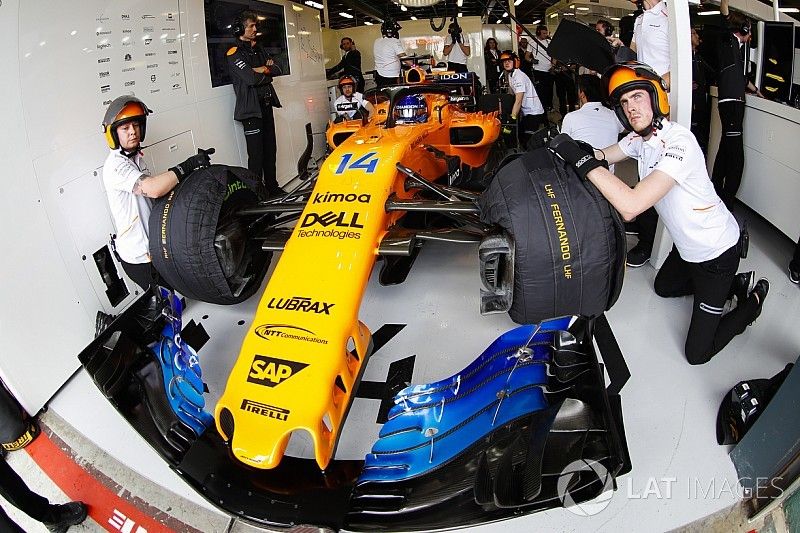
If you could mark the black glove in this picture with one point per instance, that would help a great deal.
(201, 160)
(457, 37)
(577, 153)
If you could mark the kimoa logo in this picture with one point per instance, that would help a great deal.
(330, 218)
(300, 303)
(270, 371)
(286, 331)
(326, 197)
(263, 409)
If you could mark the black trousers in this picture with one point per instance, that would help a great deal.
(527, 125)
(143, 274)
(259, 133)
(795, 262)
(729, 163)
(17, 493)
(701, 120)
(710, 283)
(381, 81)
(565, 89)
(544, 87)
(456, 67)
(647, 222)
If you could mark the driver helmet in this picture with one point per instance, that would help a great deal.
(346, 80)
(624, 77)
(121, 110)
(411, 109)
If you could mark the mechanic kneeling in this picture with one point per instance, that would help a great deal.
(130, 187)
(705, 257)
(351, 104)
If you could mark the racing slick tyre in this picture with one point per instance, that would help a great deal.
(569, 242)
(198, 244)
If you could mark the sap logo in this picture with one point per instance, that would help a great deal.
(299, 303)
(130, 83)
(331, 219)
(104, 74)
(285, 331)
(148, 41)
(103, 46)
(263, 409)
(269, 371)
(326, 197)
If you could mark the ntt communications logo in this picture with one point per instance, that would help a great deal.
(568, 478)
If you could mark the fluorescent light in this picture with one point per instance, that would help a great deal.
(413, 18)
(367, 23)
(505, 14)
(714, 12)
(613, 18)
(345, 15)
(572, 6)
(499, 21)
(537, 21)
(789, 10)
(296, 7)
(460, 14)
(403, 8)
(569, 14)
(313, 4)
(459, 3)
(553, 15)
(582, 8)
(517, 2)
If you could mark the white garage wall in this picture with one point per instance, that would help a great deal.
(53, 209)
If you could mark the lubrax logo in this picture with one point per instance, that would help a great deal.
(299, 303)
(285, 331)
(340, 220)
(263, 409)
(326, 197)
(269, 371)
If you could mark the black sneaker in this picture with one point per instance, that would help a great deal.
(760, 291)
(66, 515)
(638, 256)
(741, 285)
(794, 274)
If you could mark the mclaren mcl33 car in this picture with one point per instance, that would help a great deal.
(488, 443)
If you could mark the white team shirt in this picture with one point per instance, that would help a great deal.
(519, 82)
(131, 212)
(357, 98)
(700, 224)
(650, 33)
(456, 54)
(386, 51)
(545, 63)
(595, 124)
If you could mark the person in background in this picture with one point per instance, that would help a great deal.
(456, 48)
(701, 109)
(131, 188)
(527, 107)
(704, 260)
(491, 58)
(543, 78)
(525, 57)
(731, 87)
(565, 87)
(388, 51)
(56, 518)
(349, 65)
(251, 69)
(593, 123)
(351, 104)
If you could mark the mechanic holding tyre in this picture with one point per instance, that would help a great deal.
(130, 187)
(705, 257)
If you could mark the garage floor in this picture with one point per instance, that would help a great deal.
(679, 472)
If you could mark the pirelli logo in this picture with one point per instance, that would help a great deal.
(269, 411)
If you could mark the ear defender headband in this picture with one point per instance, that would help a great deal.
(608, 28)
(238, 26)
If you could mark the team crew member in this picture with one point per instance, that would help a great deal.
(491, 57)
(543, 79)
(130, 187)
(527, 106)
(700, 107)
(593, 123)
(456, 49)
(732, 84)
(651, 38)
(388, 51)
(349, 65)
(705, 257)
(251, 69)
(351, 104)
